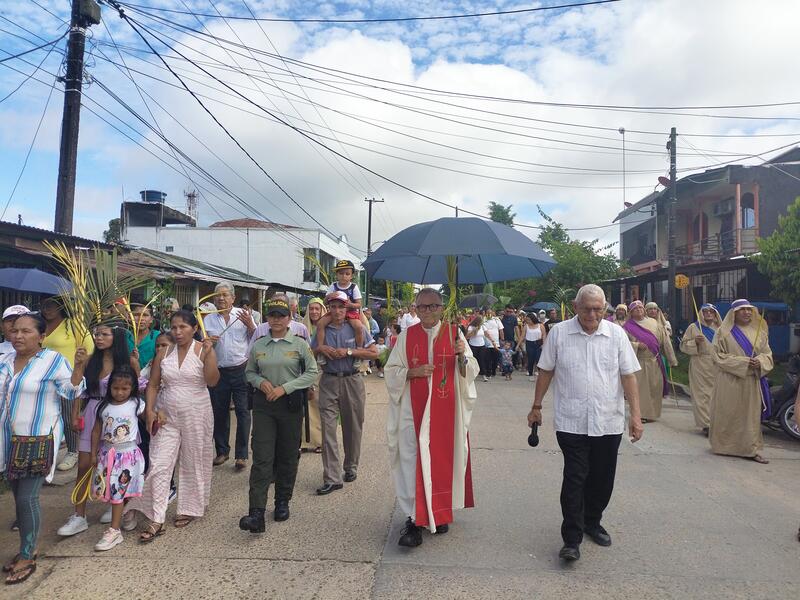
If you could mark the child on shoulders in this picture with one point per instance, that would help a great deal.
(344, 270)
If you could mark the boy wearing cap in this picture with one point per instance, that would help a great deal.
(9, 316)
(344, 270)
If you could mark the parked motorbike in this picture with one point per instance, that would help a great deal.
(783, 397)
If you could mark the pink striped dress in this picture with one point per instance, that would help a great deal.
(186, 437)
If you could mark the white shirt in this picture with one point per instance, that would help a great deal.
(477, 340)
(407, 320)
(233, 345)
(587, 391)
(492, 328)
(6, 347)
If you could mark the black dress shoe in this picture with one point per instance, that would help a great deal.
(254, 521)
(569, 553)
(411, 535)
(442, 528)
(599, 535)
(328, 488)
(349, 476)
(281, 510)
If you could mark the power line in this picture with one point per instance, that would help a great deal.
(225, 129)
(28, 154)
(51, 43)
(375, 20)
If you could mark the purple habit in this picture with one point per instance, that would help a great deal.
(647, 338)
(744, 342)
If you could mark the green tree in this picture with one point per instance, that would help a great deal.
(578, 262)
(501, 214)
(780, 255)
(113, 235)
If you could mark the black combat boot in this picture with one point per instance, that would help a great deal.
(254, 522)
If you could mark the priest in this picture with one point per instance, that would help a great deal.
(696, 343)
(651, 342)
(430, 377)
(741, 398)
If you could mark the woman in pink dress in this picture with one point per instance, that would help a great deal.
(183, 373)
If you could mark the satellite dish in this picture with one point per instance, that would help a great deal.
(664, 181)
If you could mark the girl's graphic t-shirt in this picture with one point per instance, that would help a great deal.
(119, 422)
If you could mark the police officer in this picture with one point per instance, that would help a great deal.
(281, 368)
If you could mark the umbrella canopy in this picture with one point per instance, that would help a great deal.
(33, 280)
(537, 306)
(477, 301)
(485, 252)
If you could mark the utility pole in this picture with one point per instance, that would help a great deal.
(371, 201)
(84, 14)
(673, 198)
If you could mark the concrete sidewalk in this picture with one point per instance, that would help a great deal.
(686, 524)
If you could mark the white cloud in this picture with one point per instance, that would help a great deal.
(662, 52)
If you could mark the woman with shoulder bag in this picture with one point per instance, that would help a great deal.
(32, 381)
(281, 368)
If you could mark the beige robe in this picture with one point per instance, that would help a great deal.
(702, 373)
(649, 378)
(736, 401)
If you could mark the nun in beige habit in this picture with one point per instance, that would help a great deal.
(697, 344)
(741, 393)
(650, 341)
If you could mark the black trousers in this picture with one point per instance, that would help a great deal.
(590, 464)
(232, 386)
(492, 360)
(276, 444)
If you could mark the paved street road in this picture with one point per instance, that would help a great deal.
(685, 523)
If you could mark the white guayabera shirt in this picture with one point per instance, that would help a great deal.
(587, 389)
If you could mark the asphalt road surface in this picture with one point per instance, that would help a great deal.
(685, 524)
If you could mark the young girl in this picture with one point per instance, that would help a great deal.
(110, 353)
(119, 464)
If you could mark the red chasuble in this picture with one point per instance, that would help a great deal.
(442, 411)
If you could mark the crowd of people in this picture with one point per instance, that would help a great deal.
(144, 412)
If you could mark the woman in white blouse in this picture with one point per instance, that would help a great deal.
(32, 381)
(532, 339)
(476, 336)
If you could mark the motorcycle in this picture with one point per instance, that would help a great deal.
(783, 399)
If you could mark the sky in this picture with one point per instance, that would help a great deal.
(458, 110)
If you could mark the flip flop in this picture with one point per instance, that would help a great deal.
(760, 459)
(28, 570)
(182, 521)
(9, 566)
(152, 532)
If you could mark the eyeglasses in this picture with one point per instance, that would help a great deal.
(427, 307)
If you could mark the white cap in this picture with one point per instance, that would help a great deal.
(15, 311)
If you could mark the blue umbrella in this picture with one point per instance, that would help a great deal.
(33, 280)
(485, 251)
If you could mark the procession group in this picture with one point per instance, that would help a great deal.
(146, 417)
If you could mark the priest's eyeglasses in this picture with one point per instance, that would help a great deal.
(427, 307)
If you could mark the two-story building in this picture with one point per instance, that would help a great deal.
(283, 255)
(719, 216)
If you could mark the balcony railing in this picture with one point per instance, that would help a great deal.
(721, 245)
(641, 256)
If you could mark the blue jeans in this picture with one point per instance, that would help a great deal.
(232, 386)
(534, 352)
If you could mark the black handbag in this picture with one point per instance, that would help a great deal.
(30, 456)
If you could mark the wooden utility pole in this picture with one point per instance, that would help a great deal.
(672, 291)
(371, 201)
(84, 14)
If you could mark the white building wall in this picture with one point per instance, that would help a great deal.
(264, 253)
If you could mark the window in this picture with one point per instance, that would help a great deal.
(748, 209)
(170, 249)
(309, 265)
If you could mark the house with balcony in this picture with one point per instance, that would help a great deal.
(719, 216)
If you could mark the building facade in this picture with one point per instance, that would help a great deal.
(283, 255)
